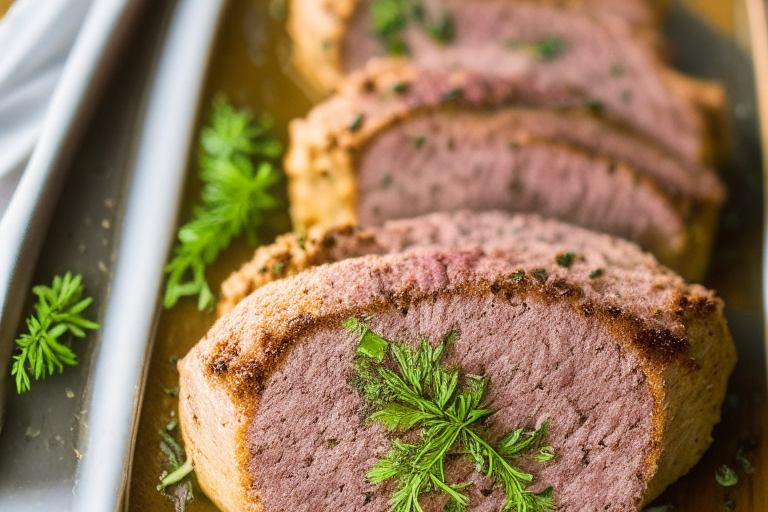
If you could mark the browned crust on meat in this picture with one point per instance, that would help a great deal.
(683, 345)
(289, 255)
(323, 157)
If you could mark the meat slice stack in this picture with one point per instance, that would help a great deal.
(629, 366)
(607, 50)
(564, 110)
(401, 140)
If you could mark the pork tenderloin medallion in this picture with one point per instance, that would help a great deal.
(401, 141)
(629, 367)
(292, 253)
(577, 44)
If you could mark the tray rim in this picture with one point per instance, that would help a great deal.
(157, 185)
(23, 225)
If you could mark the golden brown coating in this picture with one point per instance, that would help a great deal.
(676, 333)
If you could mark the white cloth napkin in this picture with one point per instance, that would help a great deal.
(36, 37)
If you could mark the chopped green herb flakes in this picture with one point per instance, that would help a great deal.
(399, 87)
(618, 70)
(175, 483)
(545, 49)
(389, 18)
(594, 105)
(356, 123)
(726, 477)
(565, 259)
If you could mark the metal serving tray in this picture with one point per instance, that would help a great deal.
(65, 443)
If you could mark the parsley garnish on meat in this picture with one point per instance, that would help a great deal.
(400, 87)
(618, 70)
(565, 259)
(444, 30)
(356, 123)
(58, 311)
(445, 405)
(390, 17)
(550, 47)
(544, 49)
(594, 105)
(236, 158)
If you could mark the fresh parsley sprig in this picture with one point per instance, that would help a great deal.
(446, 407)
(57, 312)
(175, 484)
(234, 196)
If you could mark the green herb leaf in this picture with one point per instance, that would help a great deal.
(57, 312)
(545, 454)
(175, 482)
(548, 48)
(399, 87)
(234, 197)
(452, 95)
(178, 474)
(389, 18)
(444, 30)
(596, 273)
(565, 259)
(726, 477)
(594, 105)
(357, 123)
(618, 70)
(369, 343)
(422, 393)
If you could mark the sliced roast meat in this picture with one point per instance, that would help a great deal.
(565, 43)
(291, 254)
(326, 22)
(629, 367)
(401, 141)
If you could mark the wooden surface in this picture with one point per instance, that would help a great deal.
(721, 13)
(248, 68)
(4, 5)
